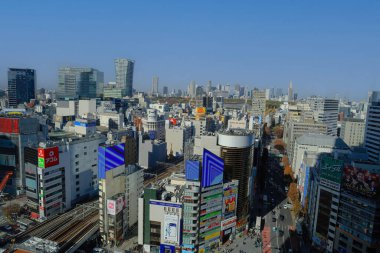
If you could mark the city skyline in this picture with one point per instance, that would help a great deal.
(254, 44)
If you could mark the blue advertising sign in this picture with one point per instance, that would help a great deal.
(162, 203)
(213, 167)
(192, 170)
(84, 124)
(110, 158)
(167, 248)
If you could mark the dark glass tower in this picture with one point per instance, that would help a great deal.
(237, 153)
(21, 86)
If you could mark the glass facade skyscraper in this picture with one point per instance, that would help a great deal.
(79, 83)
(372, 131)
(21, 86)
(124, 75)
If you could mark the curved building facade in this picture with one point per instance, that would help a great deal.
(237, 153)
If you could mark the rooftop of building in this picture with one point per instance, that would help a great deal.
(236, 132)
(72, 137)
(314, 139)
(353, 120)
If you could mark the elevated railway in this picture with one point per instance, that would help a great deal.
(71, 229)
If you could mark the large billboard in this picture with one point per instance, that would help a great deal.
(230, 191)
(171, 228)
(48, 157)
(9, 125)
(114, 206)
(200, 110)
(330, 172)
(360, 181)
(192, 169)
(212, 169)
(168, 214)
(110, 158)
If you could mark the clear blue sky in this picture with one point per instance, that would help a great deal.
(325, 47)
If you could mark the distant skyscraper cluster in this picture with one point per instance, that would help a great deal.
(79, 83)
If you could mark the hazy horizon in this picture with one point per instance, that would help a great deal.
(324, 48)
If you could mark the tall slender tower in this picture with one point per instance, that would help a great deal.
(124, 75)
(155, 85)
(290, 91)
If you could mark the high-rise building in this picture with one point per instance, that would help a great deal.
(120, 186)
(237, 153)
(61, 173)
(258, 103)
(192, 89)
(326, 111)
(79, 83)
(155, 85)
(124, 75)
(343, 210)
(21, 86)
(352, 132)
(372, 130)
(294, 129)
(290, 92)
(165, 90)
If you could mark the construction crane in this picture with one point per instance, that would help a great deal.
(3, 183)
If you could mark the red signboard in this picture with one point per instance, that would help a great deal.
(48, 157)
(9, 125)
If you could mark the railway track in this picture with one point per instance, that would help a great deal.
(54, 227)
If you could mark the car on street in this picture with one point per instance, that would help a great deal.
(274, 229)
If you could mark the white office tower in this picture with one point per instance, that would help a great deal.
(155, 86)
(325, 111)
(192, 89)
(372, 130)
(258, 103)
(290, 92)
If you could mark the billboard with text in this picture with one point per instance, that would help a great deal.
(48, 157)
